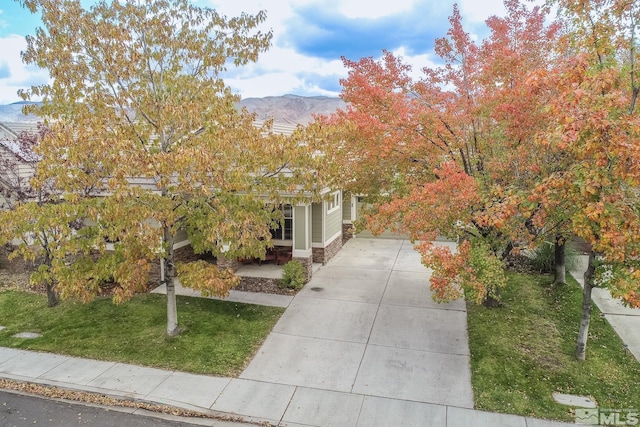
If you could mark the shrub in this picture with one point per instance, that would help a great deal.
(473, 271)
(487, 271)
(543, 257)
(294, 275)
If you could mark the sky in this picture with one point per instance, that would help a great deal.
(310, 37)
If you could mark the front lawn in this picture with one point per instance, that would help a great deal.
(523, 351)
(218, 337)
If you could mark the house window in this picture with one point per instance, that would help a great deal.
(285, 231)
(334, 202)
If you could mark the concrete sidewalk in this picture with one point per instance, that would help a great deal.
(361, 345)
(257, 401)
(271, 300)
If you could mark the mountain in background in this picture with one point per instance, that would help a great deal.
(291, 109)
(13, 113)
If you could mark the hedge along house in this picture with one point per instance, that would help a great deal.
(311, 232)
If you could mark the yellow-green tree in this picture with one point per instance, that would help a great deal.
(41, 226)
(139, 113)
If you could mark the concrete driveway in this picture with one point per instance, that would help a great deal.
(366, 325)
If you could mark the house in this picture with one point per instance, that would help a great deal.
(312, 232)
(17, 161)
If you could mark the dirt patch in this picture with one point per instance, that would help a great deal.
(12, 280)
(540, 343)
(519, 263)
(264, 285)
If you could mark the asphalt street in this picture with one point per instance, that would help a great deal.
(18, 410)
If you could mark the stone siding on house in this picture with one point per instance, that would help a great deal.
(347, 232)
(307, 263)
(324, 255)
(317, 255)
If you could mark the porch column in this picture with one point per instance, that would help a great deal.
(301, 250)
(348, 216)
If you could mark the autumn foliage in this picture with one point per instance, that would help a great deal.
(529, 135)
(146, 144)
(450, 153)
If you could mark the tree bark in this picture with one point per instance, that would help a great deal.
(167, 277)
(492, 299)
(491, 302)
(583, 334)
(52, 298)
(559, 262)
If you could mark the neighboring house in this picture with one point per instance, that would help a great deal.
(17, 164)
(312, 232)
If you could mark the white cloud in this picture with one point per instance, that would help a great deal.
(418, 62)
(372, 8)
(478, 11)
(3, 22)
(20, 76)
(281, 69)
(475, 11)
(277, 12)
(278, 72)
(267, 84)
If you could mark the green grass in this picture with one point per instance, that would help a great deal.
(523, 351)
(218, 337)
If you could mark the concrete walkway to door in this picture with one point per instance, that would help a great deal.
(366, 326)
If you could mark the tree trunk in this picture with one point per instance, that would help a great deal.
(52, 298)
(492, 299)
(560, 264)
(583, 334)
(167, 277)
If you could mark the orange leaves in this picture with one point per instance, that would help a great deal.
(632, 299)
(439, 207)
(591, 123)
(446, 267)
(141, 119)
(131, 278)
(594, 211)
(622, 279)
(452, 153)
